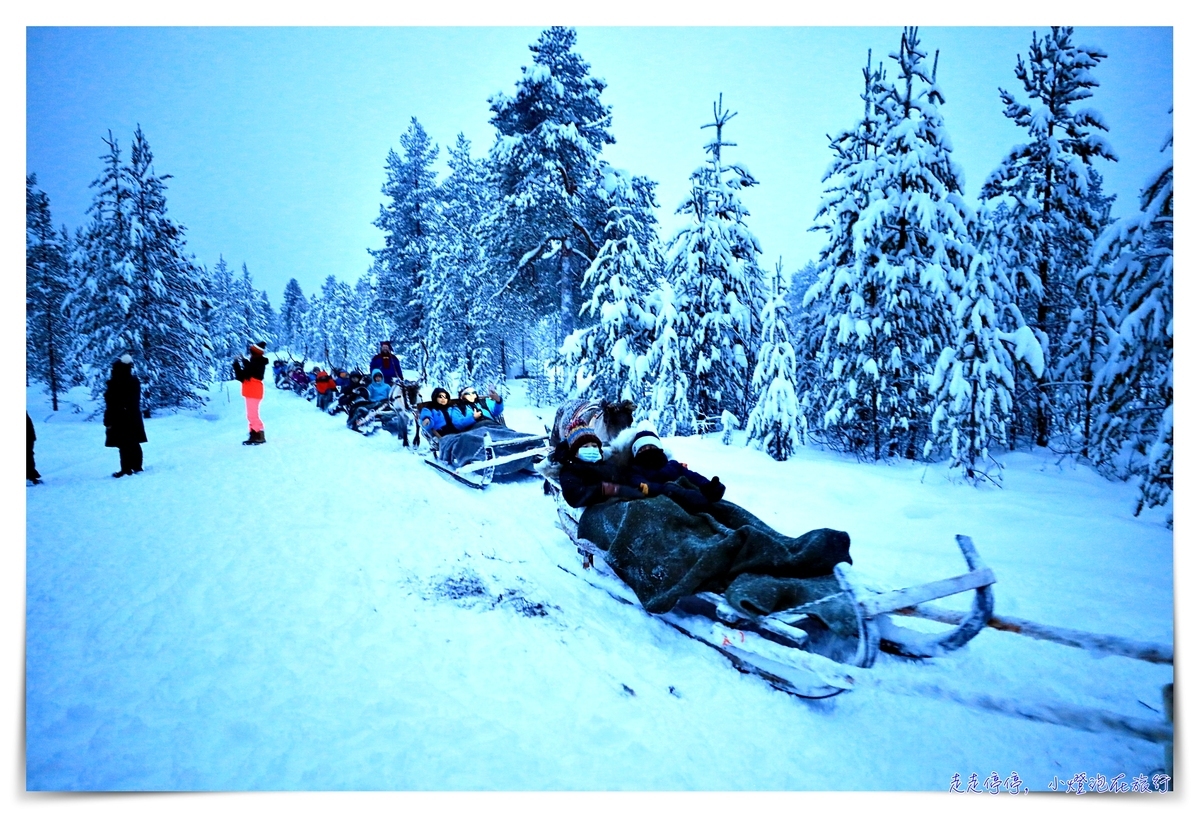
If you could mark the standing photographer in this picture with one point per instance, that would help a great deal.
(251, 374)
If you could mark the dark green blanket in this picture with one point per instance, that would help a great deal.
(664, 553)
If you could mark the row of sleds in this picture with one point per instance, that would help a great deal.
(473, 457)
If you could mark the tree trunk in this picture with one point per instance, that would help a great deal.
(566, 293)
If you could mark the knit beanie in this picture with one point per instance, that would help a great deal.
(126, 358)
(644, 438)
(580, 436)
(258, 346)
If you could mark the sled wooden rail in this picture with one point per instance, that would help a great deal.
(906, 598)
(1102, 643)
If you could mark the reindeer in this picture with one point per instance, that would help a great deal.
(607, 419)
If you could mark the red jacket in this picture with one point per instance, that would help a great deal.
(325, 382)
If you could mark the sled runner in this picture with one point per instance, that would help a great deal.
(499, 456)
(794, 650)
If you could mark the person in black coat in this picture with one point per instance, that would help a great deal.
(586, 477)
(123, 428)
(652, 467)
(31, 472)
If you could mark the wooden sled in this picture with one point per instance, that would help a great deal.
(479, 474)
(793, 650)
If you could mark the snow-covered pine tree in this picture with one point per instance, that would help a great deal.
(848, 180)
(1091, 324)
(223, 318)
(1136, 428)
(609, 357)
(797, 286)
(670, 410)
(324, 316)
(175, 348)
(462, 328)
(291, 316)
(1045, 184)
(103, 296)
(891, 299)
(370, 326)
(256, 319)
(774, 423)
(406, 219)
(141, 293)
(548, 143)
(973, 381)
(48, 280)
(712, 264)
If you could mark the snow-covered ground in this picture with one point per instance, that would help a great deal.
(327, 612)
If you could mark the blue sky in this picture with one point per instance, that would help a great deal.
(277, 137)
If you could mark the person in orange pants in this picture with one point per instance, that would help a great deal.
(251, 374)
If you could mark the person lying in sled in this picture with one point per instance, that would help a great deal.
(668, 541)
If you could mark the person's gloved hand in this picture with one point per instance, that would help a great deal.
(690, 500)
(644, 489)
(714, 491)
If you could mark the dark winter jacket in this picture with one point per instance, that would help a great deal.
(251, 374)
(462, 413)
(30, 434)
(354, 393)
(662, 480)
(123, 408)
(389, 365)
(583, 483)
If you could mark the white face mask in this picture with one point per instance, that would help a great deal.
(589, 454)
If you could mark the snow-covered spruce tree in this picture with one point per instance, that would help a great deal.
(548, 143)
(223, 319)
(806, 326)
(461, 338)
(369, 327)
(142, 293)
(48, 280)
(849, 180)
(1091, 324)
(1136, 427)
(670, 409)
(972, 384)
(1045, 184)
(798, 285)
(608, 359)
(889, 315)
(774, 423)
(406, 221)
(291, 316)
(712, 264)
(256, 318)
(328, 321)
